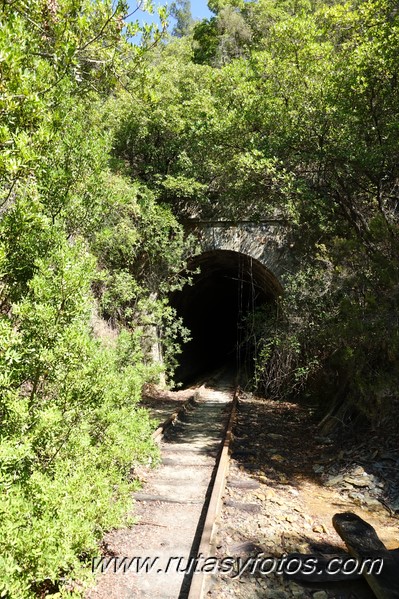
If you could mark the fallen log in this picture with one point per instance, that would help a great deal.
(363, 544)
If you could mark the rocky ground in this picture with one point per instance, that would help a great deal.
(285, 484)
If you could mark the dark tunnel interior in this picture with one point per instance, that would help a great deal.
(227, 288)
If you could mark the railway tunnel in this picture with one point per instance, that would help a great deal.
(218, 309)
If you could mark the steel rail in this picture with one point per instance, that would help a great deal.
(160, 431)
(198, 586)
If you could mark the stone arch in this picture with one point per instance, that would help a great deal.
(267, 242)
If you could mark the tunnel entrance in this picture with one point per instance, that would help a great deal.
(217, 309)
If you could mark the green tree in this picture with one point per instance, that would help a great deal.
(69, 389)
(297, 122)
(181, 11)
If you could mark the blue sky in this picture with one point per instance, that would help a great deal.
(199, 10)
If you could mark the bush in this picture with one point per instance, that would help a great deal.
(71, 426)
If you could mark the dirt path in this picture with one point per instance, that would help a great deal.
(170, 506)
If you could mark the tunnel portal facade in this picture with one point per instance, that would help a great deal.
(236, 271)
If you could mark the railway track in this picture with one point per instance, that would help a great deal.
(271, 503)
(178, 505)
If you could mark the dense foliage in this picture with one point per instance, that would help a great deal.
(290, 110)
(80, 243)
(270, 108)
